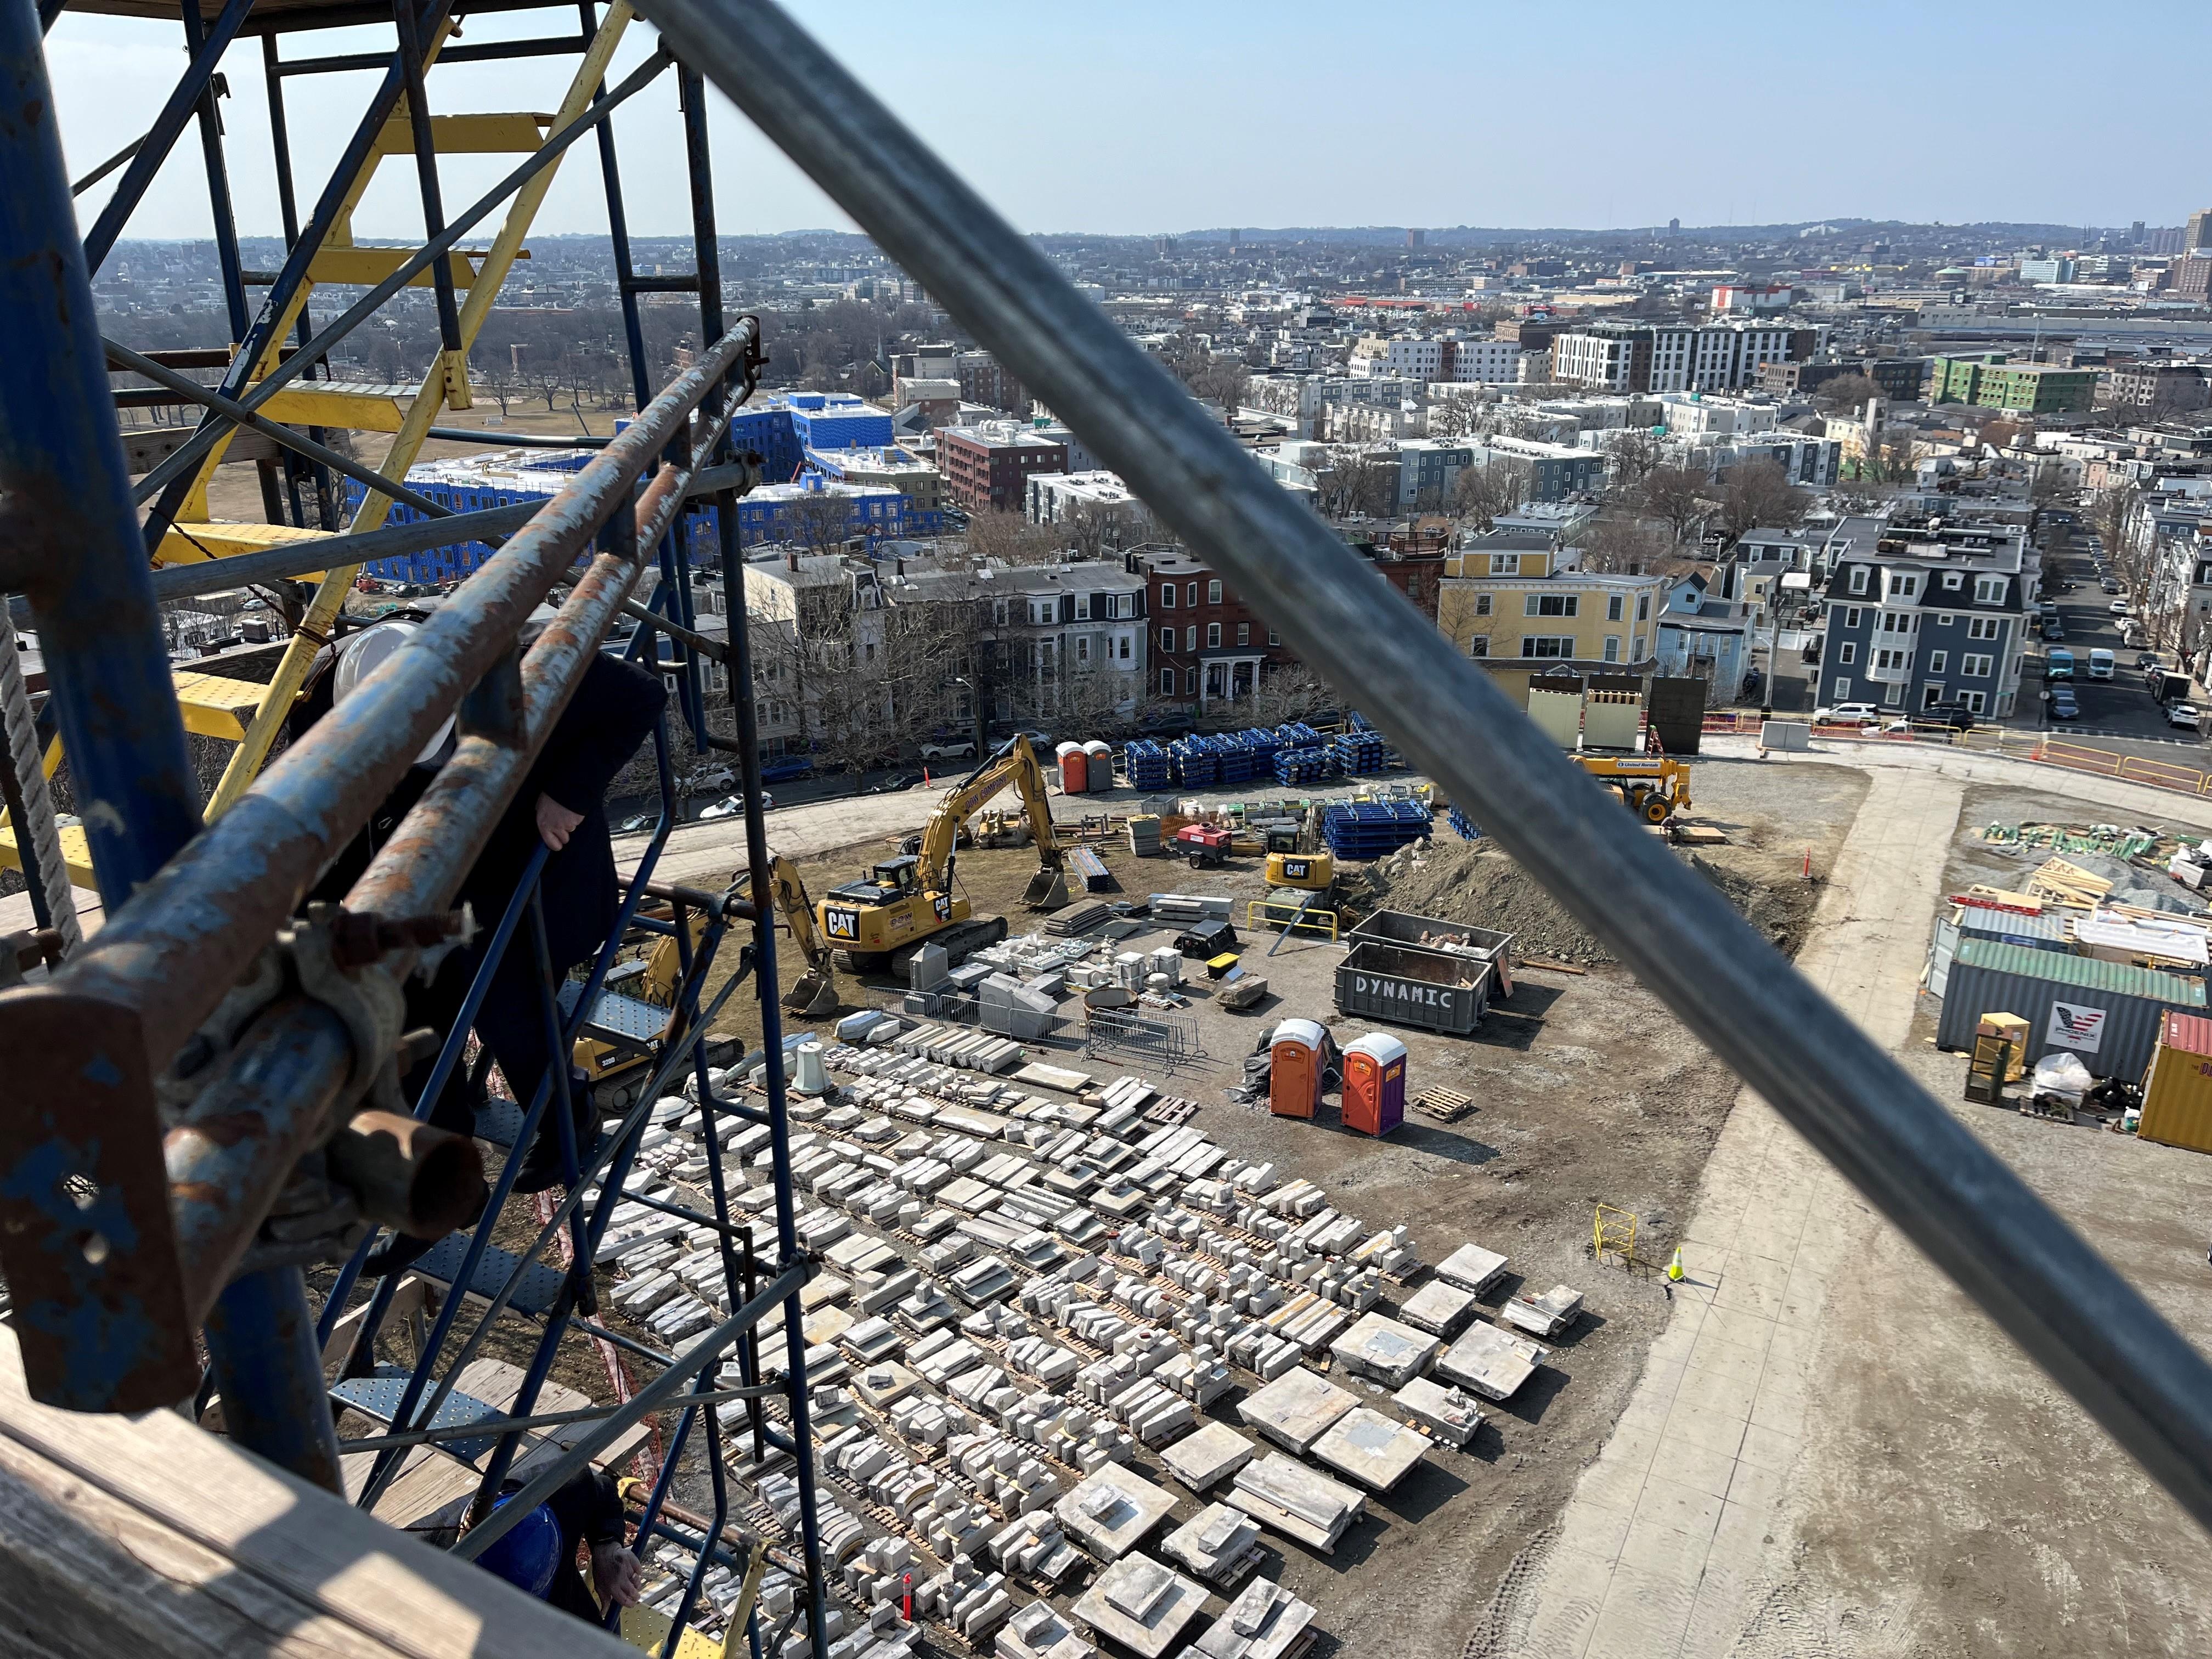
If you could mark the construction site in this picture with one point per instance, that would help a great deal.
(1449, 1183)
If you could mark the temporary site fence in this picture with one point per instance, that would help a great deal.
(192, 908)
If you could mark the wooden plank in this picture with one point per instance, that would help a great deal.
(157, 1538)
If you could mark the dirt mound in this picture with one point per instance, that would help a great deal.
(1479, 883)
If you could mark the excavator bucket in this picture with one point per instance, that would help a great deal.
(812, 995)
(1047, 890)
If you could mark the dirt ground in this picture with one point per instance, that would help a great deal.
(1586, 1090)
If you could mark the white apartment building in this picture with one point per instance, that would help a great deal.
(1486, 363)
(1406, 356)
(1672, 356)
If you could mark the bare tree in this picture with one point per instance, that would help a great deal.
(1677, 497)
(1845, 391)
(1481, 495)
(1617, 542)
(1353, 482)
(1631, 455)
(1008, 538)
(2046, 483)
(1453, 417)
(1760, 493)
(1288, 691)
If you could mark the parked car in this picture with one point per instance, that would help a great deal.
(2120, 608)
(949, 749)
(896, 782)
(708, 779)
(732, 807)
(641, 823)
(2100, 664)
(2184, 714)
(2063, 706)
(2109, 585)
(2149, 660)
(783, 771)
(1848, 713)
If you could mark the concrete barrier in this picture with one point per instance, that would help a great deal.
(1785, 734)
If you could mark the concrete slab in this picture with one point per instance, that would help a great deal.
(1284, 1496)
(1380, 1347)
(1264, 1621)
(1297, 1408)
(1208, 1457)
(1219, 1544)
(1376, 1451)
(1492, 1362)
(1141, 1605)
(1471, 1267)
(1110, 1513)
(1439, 1307)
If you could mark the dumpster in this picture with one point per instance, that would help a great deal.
(1442, 991)
(2177, 1089)
(1433, 933)
(1374, 1083)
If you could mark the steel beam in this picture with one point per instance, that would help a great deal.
(2085, 1324)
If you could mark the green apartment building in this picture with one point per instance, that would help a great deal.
(1989, 380)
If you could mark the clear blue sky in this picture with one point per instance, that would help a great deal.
(1143, 117)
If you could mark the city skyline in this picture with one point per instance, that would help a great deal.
(1556, 136)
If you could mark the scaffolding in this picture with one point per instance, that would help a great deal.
(129, 1229)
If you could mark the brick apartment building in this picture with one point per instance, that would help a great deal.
(987, 466)
(1207, 645)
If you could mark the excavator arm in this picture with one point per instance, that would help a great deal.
(1016, 763)
(816, 993)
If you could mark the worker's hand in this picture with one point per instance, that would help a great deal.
(556, 823)
(617, 1575)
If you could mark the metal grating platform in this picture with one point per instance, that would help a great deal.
(378, 1396)
(539, 1290)
(499, 1120)
(625, 1018)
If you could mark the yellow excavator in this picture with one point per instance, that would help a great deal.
(815, 994)
(903, 904)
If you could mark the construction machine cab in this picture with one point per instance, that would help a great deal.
(884, 884)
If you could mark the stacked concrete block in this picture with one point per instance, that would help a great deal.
(1219, 1544)
(1472, 1268)
(1381, 1348)
(1112, 1511)
(1284, 1496)
(1038, 1632)
(1449, 1415)
(1264, 1621)
(1545, 1315)
(1034, 1545)
(1141, 1606)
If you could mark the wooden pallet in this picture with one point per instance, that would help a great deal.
(1167, 1110)
(1443, 1104)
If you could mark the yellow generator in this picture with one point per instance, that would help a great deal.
(1653, 787)
(881, 920)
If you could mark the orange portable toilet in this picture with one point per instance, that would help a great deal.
(1294, 1068)
(1074, 768)
(1374, 1083)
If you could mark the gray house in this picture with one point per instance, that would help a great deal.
(1927, 615)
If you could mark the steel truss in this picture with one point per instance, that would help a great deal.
(192, 908)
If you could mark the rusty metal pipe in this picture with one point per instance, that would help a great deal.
(422, 1180)
(184, 937)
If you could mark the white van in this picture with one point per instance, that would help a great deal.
(2100, 664)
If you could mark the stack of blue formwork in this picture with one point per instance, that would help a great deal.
(1358, 753)
(1235, 759)
(1464, 824)
(1262, 743)
(1308, 765)
(1298, 735)
(1363, 829)
(1195, 764)
(1148, 764)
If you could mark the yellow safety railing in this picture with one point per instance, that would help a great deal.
(1614, 1231)
(1288, 917)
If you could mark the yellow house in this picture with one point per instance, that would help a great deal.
(1513, 611)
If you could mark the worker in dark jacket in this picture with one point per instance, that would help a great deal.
(538, 1555)
(561, 805)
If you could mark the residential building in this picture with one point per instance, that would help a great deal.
(1895, 378)
(1990, 380)
(1484, 362)
(1926, 615)
(1520, 611)
(1703, 635)
(1098, 499)
(2158, 386)
(987, 466)
(1412, 560)
(982, 381)
(1753, 297)
(1427, 469)
(890, 467)
(1556, 471)
(1720, 357)
(1208, 646)
(1403, 357)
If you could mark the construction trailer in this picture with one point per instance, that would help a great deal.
(129, 1237)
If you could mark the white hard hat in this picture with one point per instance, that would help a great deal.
(362, 654)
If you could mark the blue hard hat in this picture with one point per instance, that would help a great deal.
(527, 1553)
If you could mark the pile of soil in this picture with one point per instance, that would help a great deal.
(1478, 883)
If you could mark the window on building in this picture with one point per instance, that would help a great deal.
(1989, 590)
(1083, 607)
(1083, 647)
(1984, 627)
(1505, 564)
(1190, 594)
(1274, 638)
(1612, 647)
(1936, 661)
(1858, 579)
(1213, 636)
(1190, 682)
(1843, 691)
(1243, 633)
(1167, 639)
(1547, 645)
(1167, 596)
(1167, 682)
(1975, 668)
(1847, 653)
(1478, 646)
(1613, 607)
(1550, 605)
(1000, 608)
(1213, 592)
(1954, 580)
(1190, 637)
(1974, 702)
(1482, 604)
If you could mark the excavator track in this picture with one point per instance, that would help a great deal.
(959, 941)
